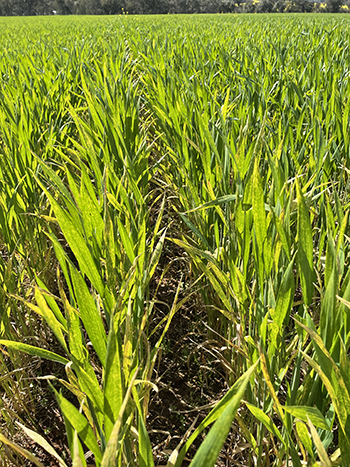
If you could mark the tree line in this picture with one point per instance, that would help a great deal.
(113, 7)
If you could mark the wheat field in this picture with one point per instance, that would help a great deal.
(129, 145)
